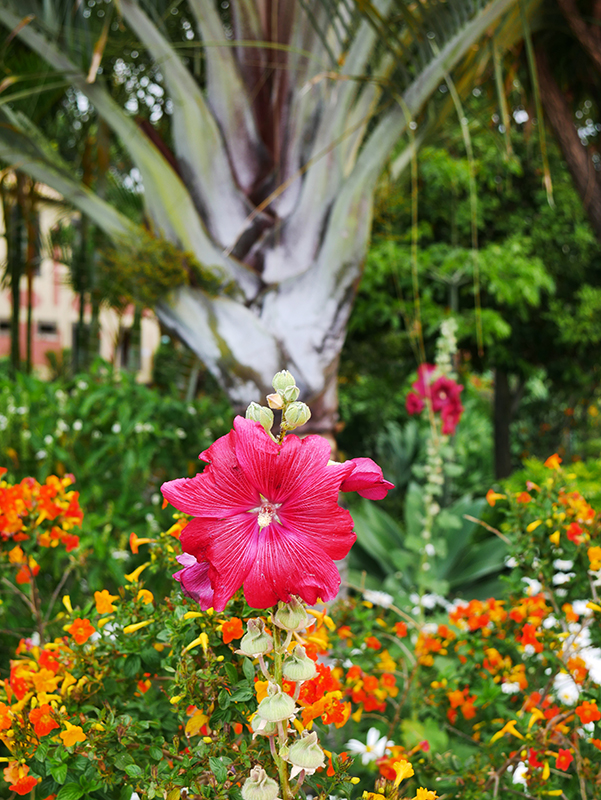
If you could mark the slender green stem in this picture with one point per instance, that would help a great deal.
(278, 677)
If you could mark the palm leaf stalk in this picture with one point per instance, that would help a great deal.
(277, 149)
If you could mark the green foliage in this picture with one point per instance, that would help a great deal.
(123, 439)
(146, 270)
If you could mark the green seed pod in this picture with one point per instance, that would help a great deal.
(298, 666)
(291, 616)
(277, 706)
(256, 641)
(259, 786)
(306, 754)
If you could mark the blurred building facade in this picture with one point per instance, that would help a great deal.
(55, 306)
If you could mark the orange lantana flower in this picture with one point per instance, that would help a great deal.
(588, 712)
(16, 775)
(42, 720)
(81, 630)
(232, 629)
(104, 601)
(72, 734)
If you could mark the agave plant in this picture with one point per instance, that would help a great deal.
(277, 139)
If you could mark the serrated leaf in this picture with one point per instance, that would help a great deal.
(72, 791)
(218, 769)
(59, 772)
(123, 760)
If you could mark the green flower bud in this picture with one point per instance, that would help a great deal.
(259, 786)
(291, 616)
(306, 754)
(296, 414)
(291, 394)
(256, 641)
(275, 401)
(277, 706)
(260, 414)
(298, 666)
(282, 380)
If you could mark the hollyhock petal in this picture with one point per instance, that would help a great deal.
(277, 470)
(444, 392)
(425, 373)
(194, 580)
(222, 489)
(314, 513)
(231, 550)
(414, 404)
(287, 564)
(367, 479)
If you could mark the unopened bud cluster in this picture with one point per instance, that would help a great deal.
(284, 399)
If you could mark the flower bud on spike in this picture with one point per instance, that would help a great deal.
(275, 401)
(296, 414)
(282, 381)
(291, 616)
(306, 754)
(260, 414)
(259, 786)
(291, 394)
(277, 706)
(256, 641)
(298, 666)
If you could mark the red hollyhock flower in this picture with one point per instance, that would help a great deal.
(366, 479)
(414, 403)
(266, 518)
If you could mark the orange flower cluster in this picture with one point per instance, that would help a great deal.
(463, 701)
(430, 644)
(38, 683)
(25, 507)
(478, 615)
(369, 692)
(321, 697)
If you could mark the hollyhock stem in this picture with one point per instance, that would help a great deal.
(264, 670)
(278, 677)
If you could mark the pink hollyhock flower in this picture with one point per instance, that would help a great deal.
(425, 375)
(451, 415)
(414, 403)
(444, 392)
(266, 518)
(366, 479)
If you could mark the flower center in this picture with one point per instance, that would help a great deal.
(266, 512)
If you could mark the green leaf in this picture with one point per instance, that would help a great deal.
(155, 753)
(223, 698)
(134, 771)
(242, 694)
(59, 772)
(232, 672)
(42, 751)
(123, 760)
(218, 770)
(132, 666)
(72, 791)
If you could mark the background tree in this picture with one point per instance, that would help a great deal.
(540, 273)
(276, 138)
